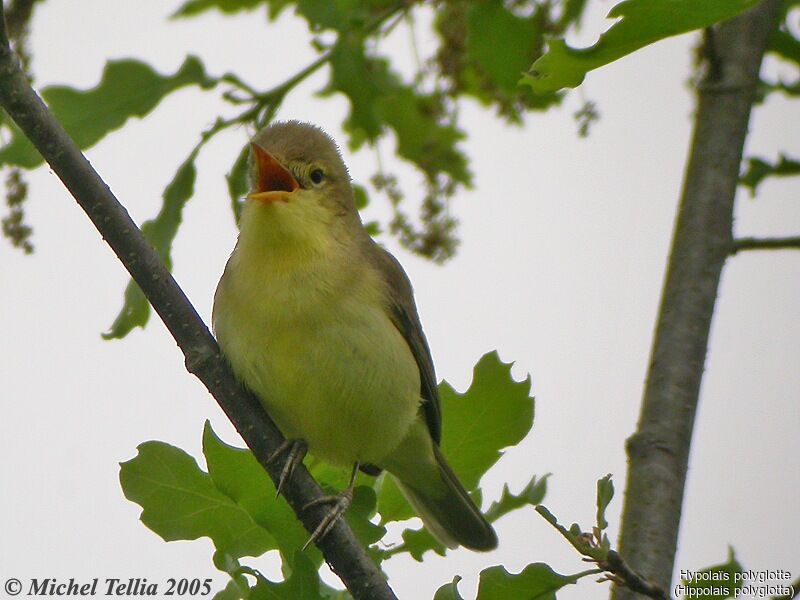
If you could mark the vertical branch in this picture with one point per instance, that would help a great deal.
(659, 450)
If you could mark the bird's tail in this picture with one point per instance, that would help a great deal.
(447, 510)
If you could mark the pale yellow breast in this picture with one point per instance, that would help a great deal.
(315, 343)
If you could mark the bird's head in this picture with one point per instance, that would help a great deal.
(300, 191)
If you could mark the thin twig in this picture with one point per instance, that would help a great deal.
(265, 104)
(751, 243)
(340, 548)
(279, 91)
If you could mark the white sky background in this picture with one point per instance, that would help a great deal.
(564, 243)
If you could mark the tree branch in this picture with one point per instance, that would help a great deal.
(624, 575)
(658, 452)
(340, 548)
(751, 243)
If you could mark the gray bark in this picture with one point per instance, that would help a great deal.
(658, 452)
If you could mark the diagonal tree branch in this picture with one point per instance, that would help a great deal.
(340, 548)
(658, 453)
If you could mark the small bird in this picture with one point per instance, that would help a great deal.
(319, 321)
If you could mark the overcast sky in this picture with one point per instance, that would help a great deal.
(564, 243)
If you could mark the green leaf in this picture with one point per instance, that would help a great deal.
(362, 200)
(228, 7)
(418, 541)
(181, 502)
(494, 413)
(302, 584)
(605, 492)
(236, 179)
(128, 88)
(449, 591)
(585, 543)
(363, 81)
(717, 582)
(373, 228)
(230, 592)
(361, 196)
(239, 586)
(347, 16)
(392, 505)
(791, 90)
(237, 474)
(531, 495)
(333, 478)
(537, 581)
(759, 169)
(378, 97)
(330, 593)
(421, 139)
(160, 233)
(571, 13)
(359, 513)
(500, 43)
(484, 47)
(642, 22)
(135, 313)
(785, 45)
(225, 562)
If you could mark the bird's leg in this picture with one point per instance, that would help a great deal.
(339, 505)
(295, 451)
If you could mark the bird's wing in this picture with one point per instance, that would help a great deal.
(403, 312)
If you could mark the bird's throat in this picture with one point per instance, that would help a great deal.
(284, 233)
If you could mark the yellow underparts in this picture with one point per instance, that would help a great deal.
(304, 325)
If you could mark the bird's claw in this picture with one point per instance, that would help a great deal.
(339, 505)
(295, 451)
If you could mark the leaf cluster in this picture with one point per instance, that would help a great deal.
(643, 22)
(595, 547)
(14, 227)
(482, 49)
(640, 22)
(784, 47)
(235, 505)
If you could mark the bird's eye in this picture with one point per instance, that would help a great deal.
(317, 176)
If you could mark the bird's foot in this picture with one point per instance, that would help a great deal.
(339, 505)
(295, 451)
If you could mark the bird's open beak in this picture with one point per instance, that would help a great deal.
(273, 182)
